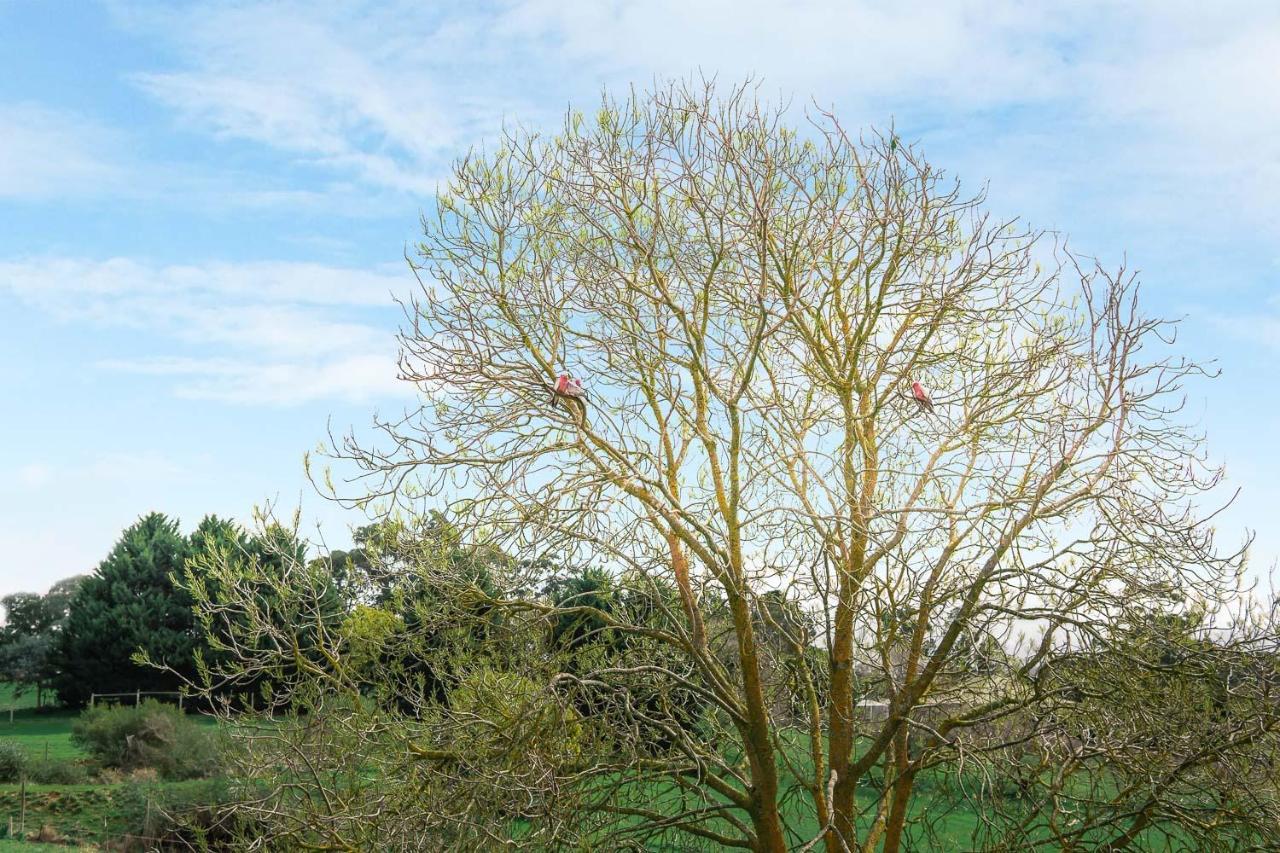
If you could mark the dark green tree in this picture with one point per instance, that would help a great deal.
(57, 601)
(588, 603)
(24, 613)
(26, 663)
(130, 603)
(29, 636)
(582, 600)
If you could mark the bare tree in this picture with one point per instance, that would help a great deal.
(748, 305)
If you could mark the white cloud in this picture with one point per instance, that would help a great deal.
(375, 94)
(268, 332)
(45, 153)
(1130, 103)
(1192, 98)
(961, 53)
(48, 154)
(1260, 329)
(109, 469)
(354, 378)
(73, 286)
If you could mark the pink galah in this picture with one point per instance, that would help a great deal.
(567, 386)
(921, 397)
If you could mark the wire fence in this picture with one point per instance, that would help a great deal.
(137, 697)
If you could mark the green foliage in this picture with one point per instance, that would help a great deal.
(426, 613)
(130, 603)
(510, 733)
(512, 716)
(57, 771)
(368, 631)
(13, 760)
(187, 816)
(26, 660)
(585, 601)
(29, 636)
(585, 641)
(24, 613)
(811, 671)
(148, 735)
(246, 589)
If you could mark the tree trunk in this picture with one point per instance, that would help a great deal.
(756, 740)
(843, 727)
(904, 780)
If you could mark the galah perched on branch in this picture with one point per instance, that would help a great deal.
(921, 397)
(567, 386)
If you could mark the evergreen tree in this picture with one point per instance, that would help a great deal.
(129, 603)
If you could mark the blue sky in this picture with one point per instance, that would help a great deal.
(204, 208)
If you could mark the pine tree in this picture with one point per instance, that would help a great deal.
(129, 603)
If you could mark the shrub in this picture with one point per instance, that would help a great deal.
(196, 815)
(13, 760)
(54, 772)
(148, 735)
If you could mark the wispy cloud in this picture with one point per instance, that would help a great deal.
(46, 153)
(55, 155)
(34, 475)
(114, 468)
(359, 377)
(270, 332)
(371, 92)
(1260, 327)
(1135, 98)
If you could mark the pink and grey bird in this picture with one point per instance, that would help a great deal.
(921, 397)
(567, 386)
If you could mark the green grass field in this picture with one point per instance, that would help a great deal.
(8, 700)
(92, 813)
(42, 734)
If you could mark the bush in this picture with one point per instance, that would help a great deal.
(191, 816)
(54, 772)
(13, 760)
(148, 735)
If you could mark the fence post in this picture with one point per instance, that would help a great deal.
(92, 698)
(137, 697)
